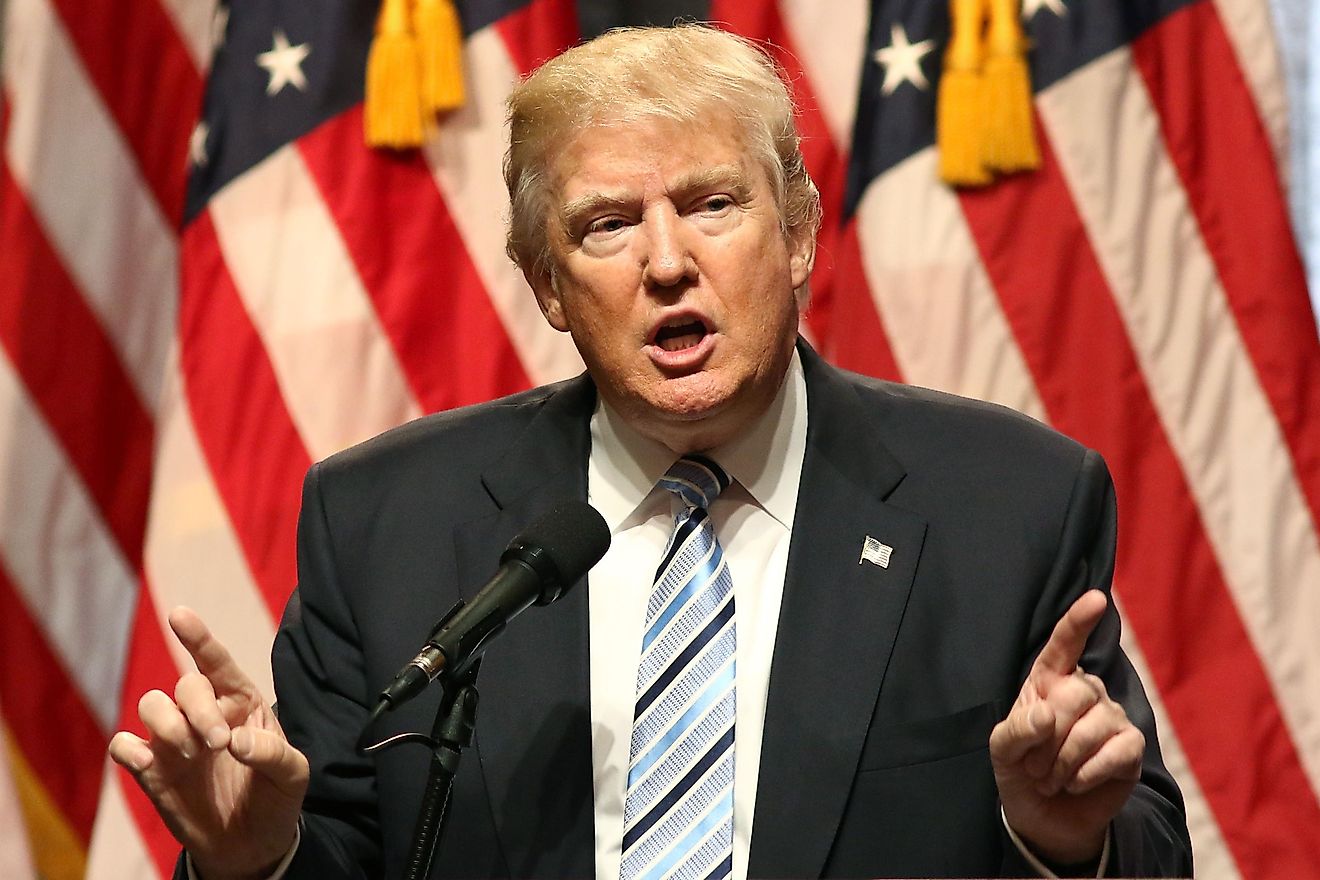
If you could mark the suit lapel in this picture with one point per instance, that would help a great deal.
(533, 723)
(837, 626)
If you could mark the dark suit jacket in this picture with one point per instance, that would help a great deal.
(885, 681)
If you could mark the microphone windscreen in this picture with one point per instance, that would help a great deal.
(570, 539)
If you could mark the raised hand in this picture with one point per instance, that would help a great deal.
(217, 766)
(1066, 758)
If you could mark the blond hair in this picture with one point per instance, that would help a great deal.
(681, 74)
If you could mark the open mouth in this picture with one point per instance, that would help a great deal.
(681, 334)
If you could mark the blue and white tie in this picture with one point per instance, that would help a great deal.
(678, 816)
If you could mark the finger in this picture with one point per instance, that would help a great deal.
(1118, 759)
(196, 699)
(1088, 735)
(168, 728)
(1064, 648)
(212, 658)
(1025, 728)
(130, 752)
(1069, 698)
(270, 754)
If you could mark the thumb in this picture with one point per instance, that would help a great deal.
(269, 753)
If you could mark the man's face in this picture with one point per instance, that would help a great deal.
(673, 276)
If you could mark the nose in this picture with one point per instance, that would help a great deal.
(667, 260)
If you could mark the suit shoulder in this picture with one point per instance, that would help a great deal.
(927, 424)
(462, 439)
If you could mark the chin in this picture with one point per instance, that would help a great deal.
(692, 398)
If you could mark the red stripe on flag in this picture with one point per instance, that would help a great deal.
(73, 373)
(1218, 143)
(1032, 242)
(538, 31)
(156, 103)
(149, 667)
(52, 726)
(426, 290)
(255, 453)
(857, 339)
(826, 162)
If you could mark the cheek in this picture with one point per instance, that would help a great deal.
(602, 286)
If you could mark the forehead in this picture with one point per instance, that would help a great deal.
(651, 153)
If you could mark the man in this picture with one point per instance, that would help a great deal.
(902, 669)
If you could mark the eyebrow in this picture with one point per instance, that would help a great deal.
(731, 177)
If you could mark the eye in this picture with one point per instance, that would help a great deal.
(715, 204)
(605, 226)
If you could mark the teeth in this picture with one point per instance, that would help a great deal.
(679, 334)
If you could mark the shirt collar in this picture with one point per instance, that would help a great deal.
(765, 460)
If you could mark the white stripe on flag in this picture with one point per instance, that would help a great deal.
(188, 522)
(830, 41)
(302, 292)
(466, 157)
(1201, 379)
(68, 569)
(1212, 855)
(946, 327)
(196, 23)
(60, 137)
(116, 851)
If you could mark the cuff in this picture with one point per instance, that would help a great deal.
(1039, 866)
(281, 868)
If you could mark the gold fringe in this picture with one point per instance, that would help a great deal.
(959, 134)
(1010, 141)
(440, 42)
(393, 115)
(56, 849)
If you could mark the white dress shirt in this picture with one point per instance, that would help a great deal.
(753, 519)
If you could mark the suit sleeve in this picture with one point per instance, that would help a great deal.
(321, 690)
(1149, 835)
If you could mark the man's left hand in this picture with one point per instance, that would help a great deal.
(1066, 758)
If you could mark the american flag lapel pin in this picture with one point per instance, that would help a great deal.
(875, 552)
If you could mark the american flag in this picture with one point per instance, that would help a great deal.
(206, 287)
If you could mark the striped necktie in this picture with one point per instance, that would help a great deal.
(678, 816)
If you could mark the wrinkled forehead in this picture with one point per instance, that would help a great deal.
(709, 145)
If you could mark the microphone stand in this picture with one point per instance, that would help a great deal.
(454, 722)
(455, 719)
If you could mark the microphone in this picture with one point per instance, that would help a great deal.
(537, 567)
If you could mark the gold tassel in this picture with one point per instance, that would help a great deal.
(440, 42)
(1010, 143)
(393, 116)
(958, 132)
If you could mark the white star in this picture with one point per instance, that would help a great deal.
(1031, 7)
(219, 25)
(902, 61)
(197, 144)
(284, 64)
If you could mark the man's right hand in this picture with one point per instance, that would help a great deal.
(217, 766)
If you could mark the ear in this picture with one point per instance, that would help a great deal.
(547, 297)
(801, 254)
